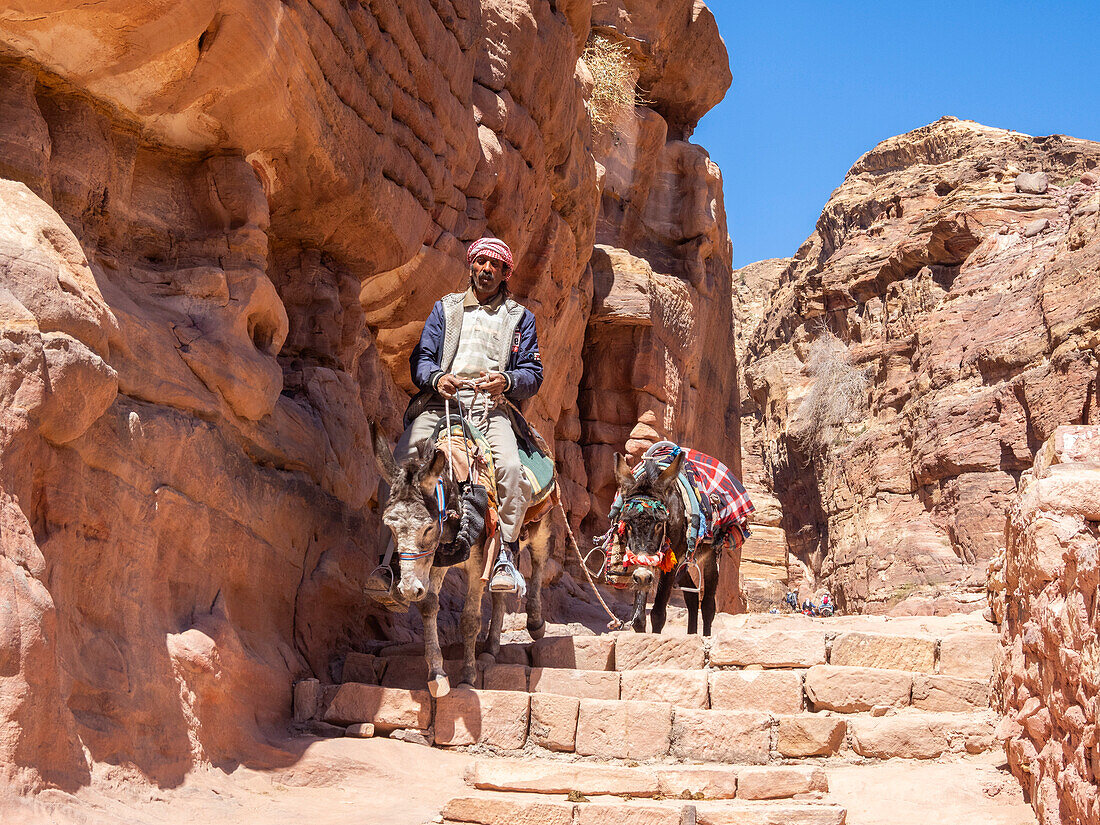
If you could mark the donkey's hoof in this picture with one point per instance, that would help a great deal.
(439, 686)
(537, 631)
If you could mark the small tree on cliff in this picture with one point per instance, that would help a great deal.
(836, 398)
(615, 84)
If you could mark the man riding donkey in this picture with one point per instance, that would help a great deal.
(480, 342)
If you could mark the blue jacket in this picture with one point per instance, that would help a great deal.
(432, 357)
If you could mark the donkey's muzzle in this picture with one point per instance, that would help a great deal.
(411, 591)
(641, 578)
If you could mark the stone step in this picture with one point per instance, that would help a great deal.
(843, 689)
(512, 809)
(697, 781)
(964, 655)
(645, 731)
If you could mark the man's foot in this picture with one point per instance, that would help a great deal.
(506, 577)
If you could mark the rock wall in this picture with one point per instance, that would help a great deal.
(1043, 590)
(765, 560)
(223, 224)
(967, 298)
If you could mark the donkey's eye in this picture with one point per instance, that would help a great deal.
(427, 533)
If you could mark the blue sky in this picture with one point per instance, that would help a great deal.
(815, 85)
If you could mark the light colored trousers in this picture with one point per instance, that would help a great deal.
(513, 488)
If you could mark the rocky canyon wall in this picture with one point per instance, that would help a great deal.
(952, 281)
(1043, 590)
(221, 227)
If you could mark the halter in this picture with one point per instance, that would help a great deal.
(441, 504)
(664, 558)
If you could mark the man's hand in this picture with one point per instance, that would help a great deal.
(492, 383)
(449, 385)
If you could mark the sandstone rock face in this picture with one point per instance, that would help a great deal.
(1044, 590)
(223, 224)
(764, 556)
(968, 339)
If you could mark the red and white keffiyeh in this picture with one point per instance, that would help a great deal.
(493, 248)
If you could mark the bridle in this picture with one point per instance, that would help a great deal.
(441, 517)
(662, 559)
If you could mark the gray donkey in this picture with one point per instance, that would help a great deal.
(413, 515)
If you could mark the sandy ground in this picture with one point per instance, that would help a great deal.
(364, 782)
(334, 782)
(974, 791)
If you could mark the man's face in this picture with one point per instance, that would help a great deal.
(486, 275)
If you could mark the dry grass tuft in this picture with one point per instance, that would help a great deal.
(837, 397)
(615, 87)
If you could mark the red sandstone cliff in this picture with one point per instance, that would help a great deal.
(222, 226)
(952, 280)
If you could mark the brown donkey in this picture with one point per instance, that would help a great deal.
(419, 527)
(653, 524)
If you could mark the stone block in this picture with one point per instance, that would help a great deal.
(921, 736)
(560, 777)
(307, 699)
(505, 677)
(768, 813)
(388, 708)
(810, 735)
(584, 684)
(712, 781)
(623, 729)
(949, 693)
(514, 654)
(884, 650)
(638, 813)
(486, 717)
(496, 810)
(411, 672)
(853, 689)
(362, 730)
(968, 654)
(683, 688)
(554, 721)
(651, 651)
(770, 648)
(780, 782)
(360, 667)
(721, 736)
(771, 691)
(574, 652)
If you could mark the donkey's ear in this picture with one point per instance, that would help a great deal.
(434, 462)
(383, 456)
(622, 472)
(668, 475)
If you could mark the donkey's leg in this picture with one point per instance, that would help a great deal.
(691, 601)
(496, 622)
(637, 618)
(438, 683)
(539, 545)
(710, 589)
(470, 622)
(658, 612)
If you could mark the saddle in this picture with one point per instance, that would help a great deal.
(466, 445)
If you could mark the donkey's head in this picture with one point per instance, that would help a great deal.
(413, 512)
(652, 511)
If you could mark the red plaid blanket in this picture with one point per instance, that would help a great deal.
(729, 501)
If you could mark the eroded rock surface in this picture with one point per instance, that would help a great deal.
(972, 310)
(1043, 589)
(223, 225)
